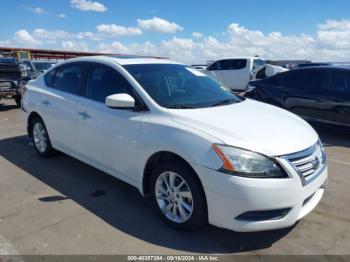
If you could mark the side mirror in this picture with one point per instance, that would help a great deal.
(120, 101)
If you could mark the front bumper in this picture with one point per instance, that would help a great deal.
(230, 196)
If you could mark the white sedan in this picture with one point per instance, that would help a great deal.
(202, 153)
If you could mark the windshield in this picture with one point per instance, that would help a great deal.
(43, 66)
(179, 86)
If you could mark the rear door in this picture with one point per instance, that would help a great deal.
(233, 73)
(338, 95)
(59, 105)
(302, 92)
(238, 73)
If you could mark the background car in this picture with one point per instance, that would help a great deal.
(37, 67)
(13, 75)
(315, 93)
(235, 73)
(268, 71)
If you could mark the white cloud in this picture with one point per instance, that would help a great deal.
(146, 48)
(334, 34)
(114, 47)
(75, 46)
(86, 5)
(68, 44)
(113, 30)
(342, 25)
(25, 38)
(325, 45)
(160, 25)
(5, 43)
(61, 15)
(51, 35)
(197, 35)
(37, 10)
(330, 42)
(50, 42)
(88, 35)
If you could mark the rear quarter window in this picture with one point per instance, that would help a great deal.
(304, 79)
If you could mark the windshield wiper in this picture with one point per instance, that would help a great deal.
(224, 102)
(181, 107)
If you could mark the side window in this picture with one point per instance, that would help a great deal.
(236, 64)
(272, 80)
(215, 66)
(49, 77)
(290, 79)
(305, 80)
(68, 78)
(104, 81)
(257, 63)
(229, 64)
(261, 73)
(340, 81)
(314, 80)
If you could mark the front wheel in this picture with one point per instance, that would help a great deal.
(178, 196)
(41, 138)
(18, 101)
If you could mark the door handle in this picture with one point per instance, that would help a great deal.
(46, 103)
(84, 115)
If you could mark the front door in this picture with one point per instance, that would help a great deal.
(108, 138)
(303, 93)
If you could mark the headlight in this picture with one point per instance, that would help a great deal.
(321, 152)
(246, 163)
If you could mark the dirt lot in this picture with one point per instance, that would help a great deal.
(62, 206)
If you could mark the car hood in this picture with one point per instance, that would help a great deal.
(251, 125)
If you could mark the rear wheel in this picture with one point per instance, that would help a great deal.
(41, 138)
(178, 196)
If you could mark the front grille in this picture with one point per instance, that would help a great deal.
(308, 163)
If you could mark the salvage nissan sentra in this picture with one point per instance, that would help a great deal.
(202, 153)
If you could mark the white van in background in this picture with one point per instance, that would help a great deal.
(235, 73)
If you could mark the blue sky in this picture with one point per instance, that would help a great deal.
(274, 29)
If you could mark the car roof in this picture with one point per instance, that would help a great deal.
(328, 67)
(44, 61)
(124, 60)
(240, 57)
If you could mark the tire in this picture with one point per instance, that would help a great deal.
(41, 139)
(185, 218)
(18, 101)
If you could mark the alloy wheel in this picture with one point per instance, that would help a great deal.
(40, 137)
(174, 197)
